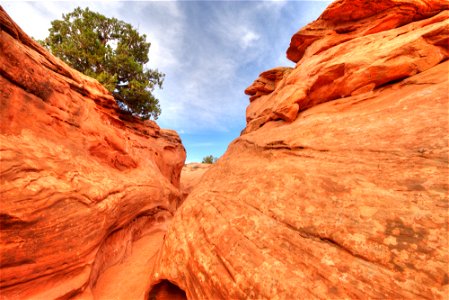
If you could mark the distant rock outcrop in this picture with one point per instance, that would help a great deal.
(338, 186)
(191, 176)
(81, 182)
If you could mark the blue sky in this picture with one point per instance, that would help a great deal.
(210, 52)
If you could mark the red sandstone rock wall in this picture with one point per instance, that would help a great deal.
(338, 187)
(191, 176)
(80, 182)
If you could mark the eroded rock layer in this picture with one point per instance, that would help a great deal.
(80, 181)
(191, 176)
(338, 187)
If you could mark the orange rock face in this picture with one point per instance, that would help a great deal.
(80, 181)
(338, 187)
(340, 65)
(191, 176)
(345, 20)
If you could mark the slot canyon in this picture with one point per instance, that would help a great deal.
(337, 188)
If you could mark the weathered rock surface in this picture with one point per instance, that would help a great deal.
(338, 187)
(191, 176)
(346, 20)
(340, 65)
(80, 182)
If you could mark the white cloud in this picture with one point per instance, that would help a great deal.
(35, 17)
(23, 12)
(248, 39)
(163, 23)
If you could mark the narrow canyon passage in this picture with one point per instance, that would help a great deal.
(123, 281)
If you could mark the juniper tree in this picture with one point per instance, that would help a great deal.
(210, 159)
(111, 51)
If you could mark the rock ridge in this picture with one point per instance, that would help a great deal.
(82, 183)
(352, 66)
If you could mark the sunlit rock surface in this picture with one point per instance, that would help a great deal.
(338, 186)
(191, 176)
(81, 183)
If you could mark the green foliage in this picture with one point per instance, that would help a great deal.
(112, 52)
(209, 159)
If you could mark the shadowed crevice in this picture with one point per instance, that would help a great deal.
(166, 290)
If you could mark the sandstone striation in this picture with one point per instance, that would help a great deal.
(338, 186)
(81, 182)
(191, 176)
(339, 65)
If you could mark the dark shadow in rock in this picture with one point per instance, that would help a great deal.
(166, 290)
